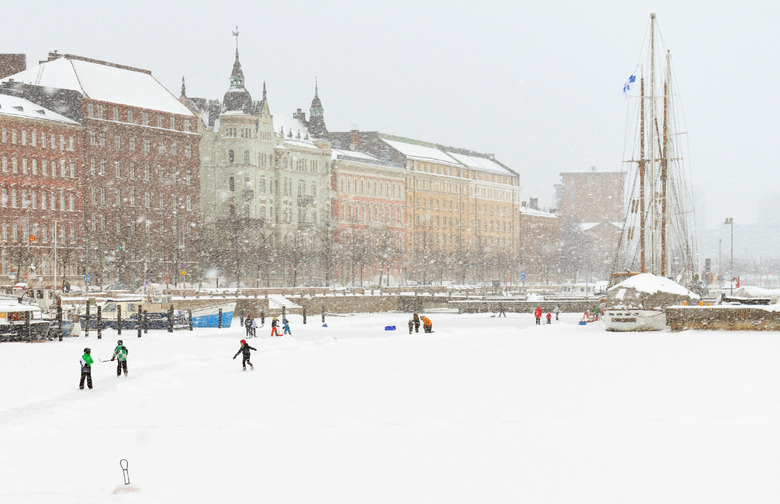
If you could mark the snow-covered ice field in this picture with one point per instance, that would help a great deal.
(484, 410)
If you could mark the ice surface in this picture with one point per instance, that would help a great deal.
(485, 409)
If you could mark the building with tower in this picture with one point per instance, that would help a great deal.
(265, 187)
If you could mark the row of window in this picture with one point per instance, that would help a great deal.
(37, 199)
(445, 239)
(454, 223)
(99, 166)
(373, 187)
(33, 166)
(458, 172)
(365, 212)
(302, 165)
(98, 223)
(30, 138)
(121, 114)
(128, 197)
(17, 233)
(287, 187)
(98, 139)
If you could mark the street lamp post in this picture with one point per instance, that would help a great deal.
(730, 222)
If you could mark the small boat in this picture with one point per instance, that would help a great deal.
(208, 316)
(22, 322)
(639, 303)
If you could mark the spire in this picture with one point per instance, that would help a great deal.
(237, 76)
(237, 98)
(183, 87)
(316, 114)
(264, 91)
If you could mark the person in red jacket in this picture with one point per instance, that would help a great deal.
(245, 348)
(549, 318)
(538, 315)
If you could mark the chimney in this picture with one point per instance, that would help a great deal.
(354, 139)
(300, 115)
(534, 203)
(11, 64)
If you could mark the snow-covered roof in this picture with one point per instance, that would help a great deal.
(20, 107)
(103, 82)
(537, 212)
(336, 153)
(296, 126)
(587, 226)
(420, 152)
(479, 163)
(650, 284)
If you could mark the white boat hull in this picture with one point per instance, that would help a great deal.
(634, 320)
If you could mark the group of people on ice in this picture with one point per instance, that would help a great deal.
(250, 324)
(538, 314)
(414, 323)
(120, 355)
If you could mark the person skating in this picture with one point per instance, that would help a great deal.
(86, 368)
(248, 326)
(416, 319)
(275, 327)
(556, 311)
(427, 324)
(411, 325)
(245, 348)
(538, 315)
(549, 318)
(120, 354)
(286, 324)
(254, 328)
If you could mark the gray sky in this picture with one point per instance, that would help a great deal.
(536, 83)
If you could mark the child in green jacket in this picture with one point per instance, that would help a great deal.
(120, 354)
(86, 368)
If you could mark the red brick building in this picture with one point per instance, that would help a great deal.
(40, 194)
(140, 169)
(367, 216)
(591, 196)
(592, 209)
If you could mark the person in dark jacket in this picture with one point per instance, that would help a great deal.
(120, 354)
(275, 327)
(86, 368)
(416, 319)
(247, 355)
(248, 326)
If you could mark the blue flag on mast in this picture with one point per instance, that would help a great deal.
(627, 85)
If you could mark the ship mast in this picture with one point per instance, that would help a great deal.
(664, 169)
(642, 162)
(651, 146)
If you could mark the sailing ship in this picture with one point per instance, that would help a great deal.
(657, 237)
